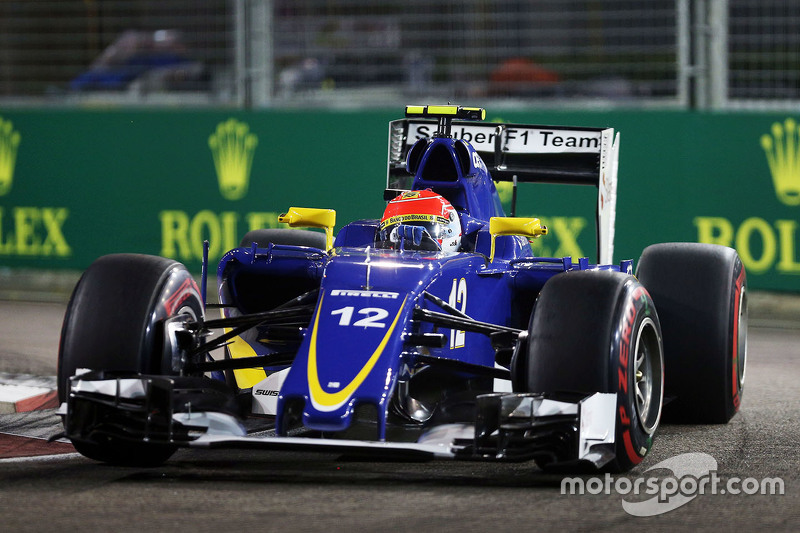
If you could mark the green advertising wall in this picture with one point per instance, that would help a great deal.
(77, 184)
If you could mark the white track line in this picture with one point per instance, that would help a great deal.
(36, 458)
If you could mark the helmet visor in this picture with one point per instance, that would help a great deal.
(431, 238)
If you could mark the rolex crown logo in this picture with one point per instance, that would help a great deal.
(783, 156)
(9, 141)
(232, 146)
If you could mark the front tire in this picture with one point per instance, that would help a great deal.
(114, 322)
(598, 331)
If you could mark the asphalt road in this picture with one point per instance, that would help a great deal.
(269, 491)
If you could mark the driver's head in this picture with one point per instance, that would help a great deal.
(422, 220)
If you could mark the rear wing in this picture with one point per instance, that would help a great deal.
(528, 153)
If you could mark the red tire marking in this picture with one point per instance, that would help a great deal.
(632, 454)
(735, 376)
(630, 319)
(181, 295)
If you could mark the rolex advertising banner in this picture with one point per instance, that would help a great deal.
(78, 184)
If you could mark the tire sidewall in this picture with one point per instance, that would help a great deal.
(635, 310)
(179, 294)
(733, 386)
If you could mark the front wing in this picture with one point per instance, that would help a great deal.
(198, 413)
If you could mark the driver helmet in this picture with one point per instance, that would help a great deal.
(438, 220)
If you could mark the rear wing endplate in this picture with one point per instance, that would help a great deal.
(528, 153)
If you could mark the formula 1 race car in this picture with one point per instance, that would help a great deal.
(432, 332)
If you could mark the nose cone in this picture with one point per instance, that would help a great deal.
(351, 357)
(351, 353)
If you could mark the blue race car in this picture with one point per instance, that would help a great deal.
(432, 332)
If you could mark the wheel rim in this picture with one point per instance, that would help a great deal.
(648, 377)
(170, 364)
(741, 351)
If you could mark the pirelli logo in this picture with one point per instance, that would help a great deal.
(365, 294)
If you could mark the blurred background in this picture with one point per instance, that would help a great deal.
(150, 126)
(717, 54)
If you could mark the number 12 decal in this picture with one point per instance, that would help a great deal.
(372, 317)
(458, 299)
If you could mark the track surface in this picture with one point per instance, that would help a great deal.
(266, 491)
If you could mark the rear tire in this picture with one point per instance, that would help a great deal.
(114, 322)
(294, 237)
(700, 291)
(598, 331)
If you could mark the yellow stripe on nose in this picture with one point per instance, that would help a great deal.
(326, 401)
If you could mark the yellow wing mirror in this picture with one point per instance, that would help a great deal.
(527, 227)
(309, 217)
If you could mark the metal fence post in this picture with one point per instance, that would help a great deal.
(684, 57)
(240, 52)
(261, 55)
(718, 53)
(700, 54)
